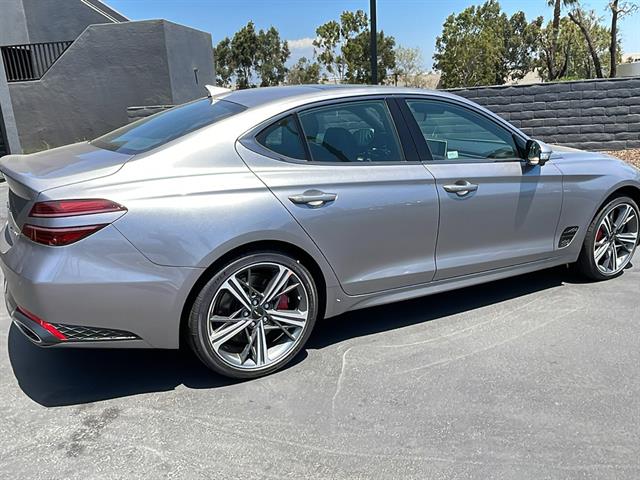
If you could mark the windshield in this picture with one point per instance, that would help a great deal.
(159, 129)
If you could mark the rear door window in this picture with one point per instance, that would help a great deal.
(359, 131)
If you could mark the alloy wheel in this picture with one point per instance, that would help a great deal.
(257, 315)
(616, 239)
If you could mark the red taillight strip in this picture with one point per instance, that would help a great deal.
(58, 237)
(47, 326)
(74, 208)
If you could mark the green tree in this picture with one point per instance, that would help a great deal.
(334, 41)
(327, 46)
(618, 10)
(357, 55)
(409, 65)
(556, 61)
(250, 55)
(343, 49)
(584, 44)
(244, 48)
(482, 46)
(594, 35)
(224, 63)
(521, 42)
(271, 57)
(303, 72)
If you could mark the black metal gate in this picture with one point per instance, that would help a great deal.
(31, 61)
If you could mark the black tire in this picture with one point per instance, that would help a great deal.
(197, 324)
(586, 263)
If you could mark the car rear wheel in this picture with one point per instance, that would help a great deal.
(254, 316)
(611, 240)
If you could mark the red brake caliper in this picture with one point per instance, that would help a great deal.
(283, 303)
(600, 234)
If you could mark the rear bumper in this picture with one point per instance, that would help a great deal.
(98, 292)
(74, 335)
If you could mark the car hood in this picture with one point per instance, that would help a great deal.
(561, 152)
(562, 148)
(61, 166)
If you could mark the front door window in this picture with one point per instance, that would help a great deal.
(457, 133)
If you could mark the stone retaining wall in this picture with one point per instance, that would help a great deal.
(601, 114)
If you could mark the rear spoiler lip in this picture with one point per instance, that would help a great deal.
(30, 185)
(17, 184)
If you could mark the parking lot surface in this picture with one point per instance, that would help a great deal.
(533, 377)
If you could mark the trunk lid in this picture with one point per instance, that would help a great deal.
(28, 175)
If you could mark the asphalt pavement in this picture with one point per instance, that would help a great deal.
(535, 377)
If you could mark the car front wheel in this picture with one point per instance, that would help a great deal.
(611, 240)
(254, 315)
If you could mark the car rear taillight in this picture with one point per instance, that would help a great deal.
(60, 236)
(47, 326)
(73, 208)
(57, 237)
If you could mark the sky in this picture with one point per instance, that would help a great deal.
(413, 23)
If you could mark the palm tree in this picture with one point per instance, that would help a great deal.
(552, 50)
(618, 10)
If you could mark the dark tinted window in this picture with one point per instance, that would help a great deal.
(283, 137)
(159, 129)
(454, 132)
(351, 132)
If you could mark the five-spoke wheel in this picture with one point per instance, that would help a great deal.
(254, 315)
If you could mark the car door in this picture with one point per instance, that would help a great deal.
(357, 187)
(495, 210)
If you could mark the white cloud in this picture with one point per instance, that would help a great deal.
(300, 47)
(301, 43)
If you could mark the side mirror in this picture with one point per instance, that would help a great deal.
(537, 153)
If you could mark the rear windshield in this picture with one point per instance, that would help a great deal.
(159, 129)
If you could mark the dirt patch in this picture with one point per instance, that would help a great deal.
(632, 156)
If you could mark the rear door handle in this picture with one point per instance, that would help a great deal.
(461, 188)
(313, 198)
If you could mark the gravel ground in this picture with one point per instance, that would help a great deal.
(632, 155)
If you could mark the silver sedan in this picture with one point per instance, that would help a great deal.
(235, 222)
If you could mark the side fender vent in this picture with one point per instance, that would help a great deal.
(567, 236)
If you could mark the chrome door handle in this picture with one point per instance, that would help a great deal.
(313, 198)
(461, 188)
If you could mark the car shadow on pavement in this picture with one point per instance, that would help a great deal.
(398, 315)
(58, 377)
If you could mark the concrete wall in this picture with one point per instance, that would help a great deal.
(36, 21)
(56, 20)
(183, 60)
(629, 69)
(108, 68)
(601, 114)
(13, 23)
(8, 131)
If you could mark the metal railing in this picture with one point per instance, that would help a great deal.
(32, 60)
